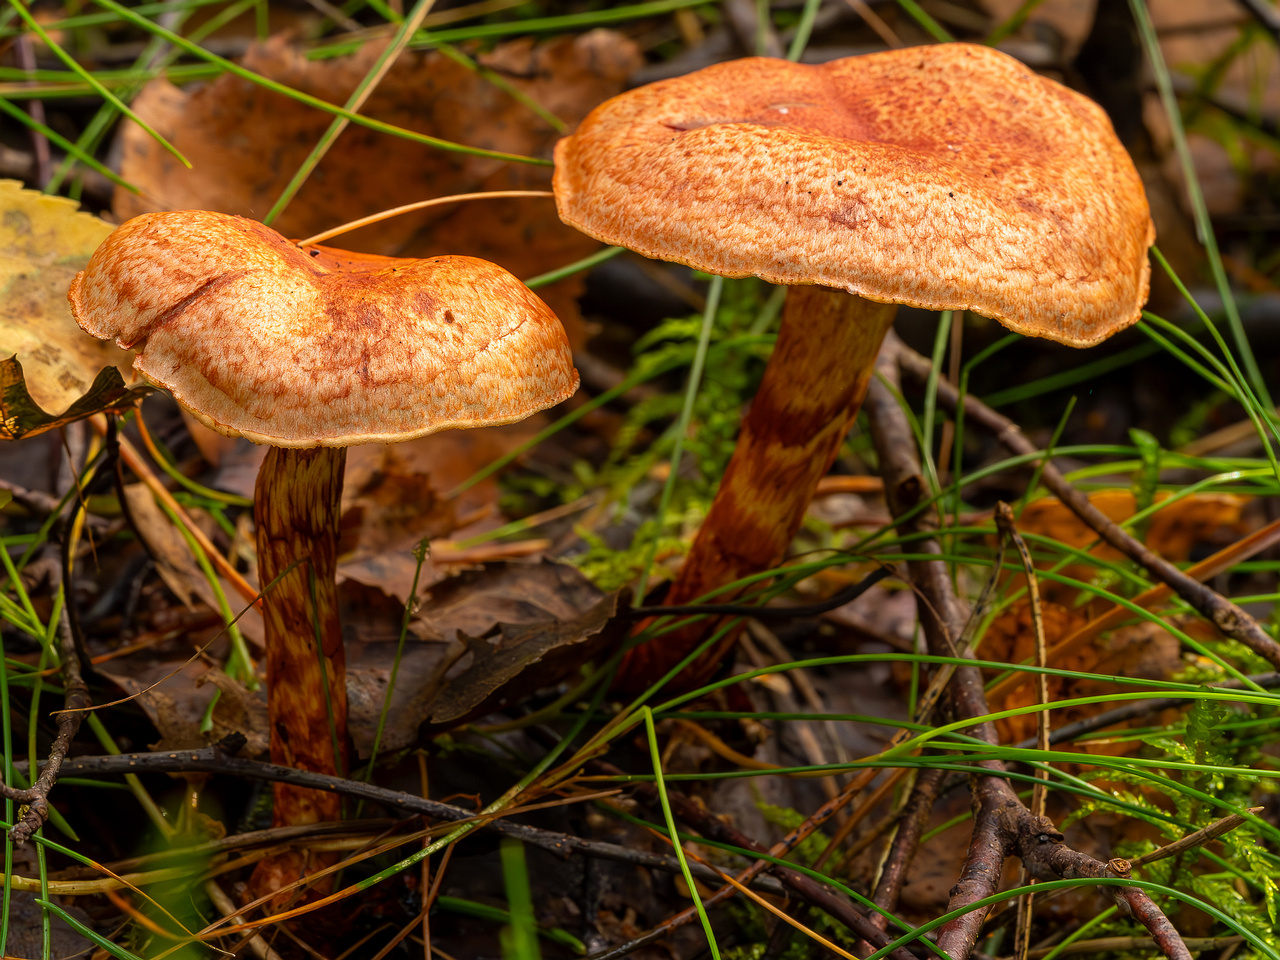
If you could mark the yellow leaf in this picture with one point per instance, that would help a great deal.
(51, 364)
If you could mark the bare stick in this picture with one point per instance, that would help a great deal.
(1191, 840)
(1005, 524)
(1003, 826)
(214, 760)
(76, 701)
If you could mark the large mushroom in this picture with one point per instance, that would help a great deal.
(312, 351)
(948, 177)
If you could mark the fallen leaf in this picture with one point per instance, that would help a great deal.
(1172, 532)
(245, 144)
(531, 623)
(389, 505)
(177, 705)
(51, 364)
(483, 639)
(371, 631)
(1143, 650)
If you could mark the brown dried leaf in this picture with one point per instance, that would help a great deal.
(481, 641)
(178, 704)
(387, 505)
(1140, 650)
(550, 620)
(245, 143)
(1173, 530)
(51, 364)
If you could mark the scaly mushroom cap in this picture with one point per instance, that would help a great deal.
(947, 177)
(322, 347)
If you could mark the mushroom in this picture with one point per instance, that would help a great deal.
(947, 177)
(312, 351)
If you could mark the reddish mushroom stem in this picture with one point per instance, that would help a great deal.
(808, 398)
(296, 510)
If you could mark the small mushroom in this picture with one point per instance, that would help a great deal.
(312, 351)
(947, 177)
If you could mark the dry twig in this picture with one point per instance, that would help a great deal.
(1003, 826)
(75, 702)
(215, 760)
(906, 840)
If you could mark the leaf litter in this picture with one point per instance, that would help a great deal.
(484, 635)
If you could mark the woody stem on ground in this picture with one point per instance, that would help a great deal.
(906, 840)
(810, 393)
(216, 760)
(76, 701)
(296, 512)
(1217, 609)
(1003, 826)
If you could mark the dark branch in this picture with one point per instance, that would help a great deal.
(905, 843)
(214, 760)
(75, 702)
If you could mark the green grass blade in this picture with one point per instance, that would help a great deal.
(656, 757)
(930, 25)
(482, 911)
(520, 937)
(1013, 24)
(420, 555)
(117, 951)
(265, 82)
(59, 140)
(1067, 378)
(506, 86)
(804, 29)
(940, 339)
(362, 92)
(92, 81)
(1204, 227)
(586, 263)
(83, 20)
(567, 23)
(682, 428)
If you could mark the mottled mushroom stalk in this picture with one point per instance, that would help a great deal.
(947, 177)
(296, 511)
(808, 398)
(311, 352)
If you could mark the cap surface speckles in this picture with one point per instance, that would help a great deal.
(323, 347)
(945, 177)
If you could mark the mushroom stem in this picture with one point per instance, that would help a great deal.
(808, 398)
(296, 510)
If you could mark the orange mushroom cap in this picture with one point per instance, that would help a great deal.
(947, 177)
(322, 347)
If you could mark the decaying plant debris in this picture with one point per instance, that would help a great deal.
(1007, 693)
